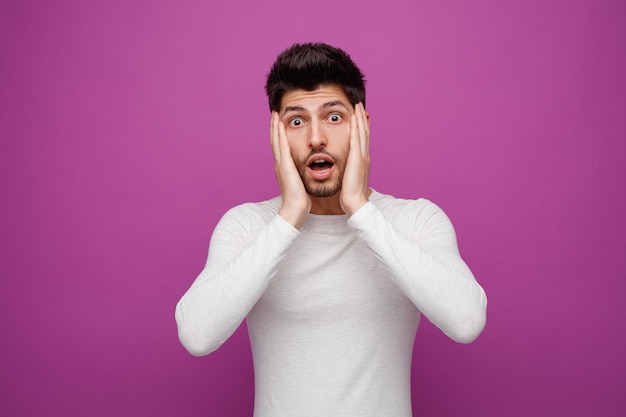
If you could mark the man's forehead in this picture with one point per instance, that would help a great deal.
(323, 97)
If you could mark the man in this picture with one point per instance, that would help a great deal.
(332, 275)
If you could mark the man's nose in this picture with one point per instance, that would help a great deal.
(317, 136)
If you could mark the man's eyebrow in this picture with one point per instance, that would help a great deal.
(333, 104)
(324, 106)
(293, 109)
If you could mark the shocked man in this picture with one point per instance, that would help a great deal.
(331, 276)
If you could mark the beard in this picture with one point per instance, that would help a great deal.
(324, 188)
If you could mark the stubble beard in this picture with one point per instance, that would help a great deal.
(324, 188)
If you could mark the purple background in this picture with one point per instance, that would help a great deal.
(129, 127)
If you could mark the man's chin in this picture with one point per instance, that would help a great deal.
(323, 190)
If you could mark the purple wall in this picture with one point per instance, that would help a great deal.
(128, 127)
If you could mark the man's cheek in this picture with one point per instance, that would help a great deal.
(298, 159)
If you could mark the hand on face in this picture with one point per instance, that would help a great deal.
(354, 189)
(296, 201)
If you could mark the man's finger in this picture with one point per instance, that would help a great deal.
(364, 133)
(274, 136)
(355, 142)
(283, 141)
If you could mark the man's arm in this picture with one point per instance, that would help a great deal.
(241, 262)
(425, 263)
(240, 265)
(428, 268)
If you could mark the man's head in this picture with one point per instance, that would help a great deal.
(309, 66)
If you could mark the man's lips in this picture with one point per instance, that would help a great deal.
(320, 166)
(319, 158)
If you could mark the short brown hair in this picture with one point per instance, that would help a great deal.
(309, 66)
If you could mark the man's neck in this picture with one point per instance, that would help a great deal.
(326, 205)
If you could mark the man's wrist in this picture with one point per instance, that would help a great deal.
(294, 217)
(352, 207)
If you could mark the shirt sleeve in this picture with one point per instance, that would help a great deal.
(424, 262)
(239, 267)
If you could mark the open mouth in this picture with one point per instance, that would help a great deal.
(320, 165)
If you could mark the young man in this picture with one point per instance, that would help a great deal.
(332, 275)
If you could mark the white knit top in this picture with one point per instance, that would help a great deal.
(332, 309)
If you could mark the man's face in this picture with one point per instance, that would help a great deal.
(318, 129)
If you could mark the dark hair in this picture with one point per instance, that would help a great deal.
(309, 66)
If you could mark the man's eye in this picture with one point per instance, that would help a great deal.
(335, 117)
(296, 122)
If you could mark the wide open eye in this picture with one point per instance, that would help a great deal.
(296, 122)
(335, 117)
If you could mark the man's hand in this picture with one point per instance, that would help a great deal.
(354, 189)
(296, 201)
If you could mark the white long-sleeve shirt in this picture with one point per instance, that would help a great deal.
(332, 309)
